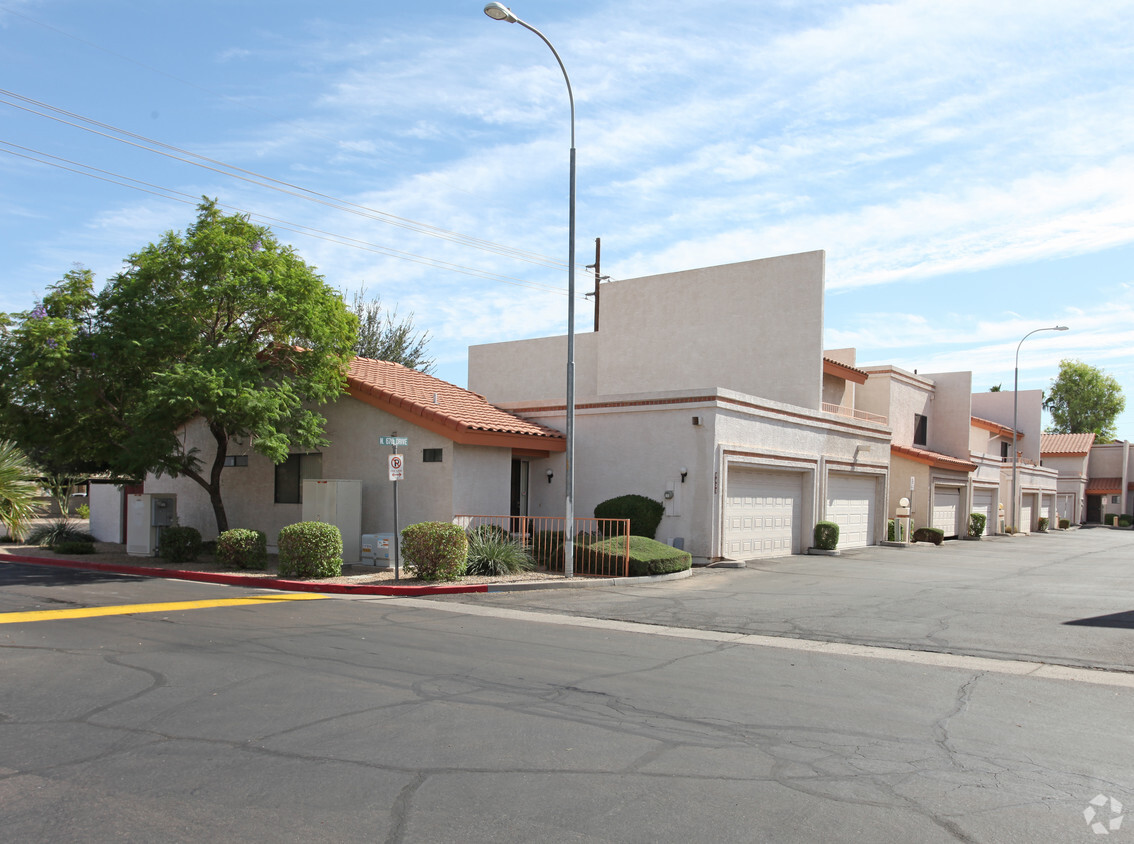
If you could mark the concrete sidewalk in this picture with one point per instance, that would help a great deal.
(1064, 598)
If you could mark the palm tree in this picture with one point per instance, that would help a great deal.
(18, 490)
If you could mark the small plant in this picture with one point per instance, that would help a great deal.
(84, 511)
(1124, 520)
(645, 514)
(310, 549)
(435, 550)
(826, 536)
(977, 522)
(243, 549)
(929, 534)
(180, 544)
(891, 531)
(1110, 519)
(61, 530)
(1041, 525)
(495, 554)
(1064, 524)
(73, 548)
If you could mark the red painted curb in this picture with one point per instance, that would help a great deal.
(254, 582)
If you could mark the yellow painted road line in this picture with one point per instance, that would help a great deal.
(132, 609)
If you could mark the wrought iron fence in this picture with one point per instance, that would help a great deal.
(601, 548)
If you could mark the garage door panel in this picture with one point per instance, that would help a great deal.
(851, 503)
(984, 502)
(762, 513)
(946, 505)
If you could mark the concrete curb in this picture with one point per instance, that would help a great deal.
(284, 585)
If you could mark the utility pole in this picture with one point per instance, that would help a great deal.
(595, 266)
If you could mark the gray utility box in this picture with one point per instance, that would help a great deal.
(146, 515)
(377, 550)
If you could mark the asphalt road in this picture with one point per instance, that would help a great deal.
(409, 720)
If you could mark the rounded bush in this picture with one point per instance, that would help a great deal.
(929, 534)
(180, 544)
(1124, 520)
(1110, 519)
(435, 550)
(1042, 524)
(977, 522)
(645, 514)
(310, 549)
(242, 549)
(1064, 524)
(891, 530)
(826, 536)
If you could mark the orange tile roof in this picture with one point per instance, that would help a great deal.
(932, 458)
(844, 371)
(1066, 443)
(462, 416)
(1104, 486)
(995, 427)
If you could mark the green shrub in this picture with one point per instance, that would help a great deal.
(645, 514)
(83, 511)
(310, 549)
(547, 548)
(1042, 524)
(60, 530)
(929, 534)
(826, 536)
(1110, 518)
(492, 554)
(180, 544)
(73, 548)
(647, 556)
(209, 547)
(1124, 520)
(891, 531)
(977, 522)
(243, 549)
(1064, 524)
(489, 531)
(435, 550)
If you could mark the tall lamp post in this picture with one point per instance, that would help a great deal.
(500, 12)
(1015, 409)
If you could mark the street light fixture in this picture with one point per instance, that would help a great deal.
(1015, 408)
(500, 12)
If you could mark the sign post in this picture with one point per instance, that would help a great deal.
(397, 473)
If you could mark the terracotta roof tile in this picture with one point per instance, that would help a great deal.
(459, 414)
(843, 370)
(932, 458)
(1104, 486)
(1066, 443)
(995, 427)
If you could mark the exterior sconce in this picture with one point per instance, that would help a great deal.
(684, 472)
(550, 475)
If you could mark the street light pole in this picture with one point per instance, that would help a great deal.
(1015, 409)
(500, 12)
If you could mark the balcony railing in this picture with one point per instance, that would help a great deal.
(865, 416)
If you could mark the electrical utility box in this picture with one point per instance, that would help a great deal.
(337, 503)
(378, 550)
(146, 516)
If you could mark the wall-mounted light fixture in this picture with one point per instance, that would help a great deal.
(550, 475)
(684, 472)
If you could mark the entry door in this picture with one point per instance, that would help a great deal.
(519, 497)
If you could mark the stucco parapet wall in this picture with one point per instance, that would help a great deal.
(898, 374)
(717, 398)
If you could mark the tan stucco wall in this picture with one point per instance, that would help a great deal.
(997, 407)
(520, 370)
(950, 413)
(897, 395)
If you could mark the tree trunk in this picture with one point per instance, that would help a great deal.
(214, 486)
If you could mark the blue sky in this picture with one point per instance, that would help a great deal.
(967, 166)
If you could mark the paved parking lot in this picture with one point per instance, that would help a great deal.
(1064, 597)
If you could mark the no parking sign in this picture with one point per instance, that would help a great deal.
(397, 472)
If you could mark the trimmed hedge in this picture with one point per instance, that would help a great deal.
(1064, 523)
(929, 534)
(1124, 520)
(1041, 525)
(1110, 519)
(647, 556)
(435, 550)
(645, 514)
(243, 549)
(891, 531)
(180, 544)
(310, 549)
(73, 547)
(977, 522)
(826, 536)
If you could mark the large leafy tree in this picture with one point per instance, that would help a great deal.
(383, 336)
(1084, 400)
(222, 324)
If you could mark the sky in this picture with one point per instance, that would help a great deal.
(968, 167)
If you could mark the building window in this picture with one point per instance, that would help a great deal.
(1114, 499)
(236, 460)
(920, 429)
(1004, 452)
(431, 455)
(291, 474)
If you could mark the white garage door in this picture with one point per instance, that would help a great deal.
(946, 505)
(850, 505)
(762, 513)
(984, 502)
(1027, 506)
(1064, 502)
